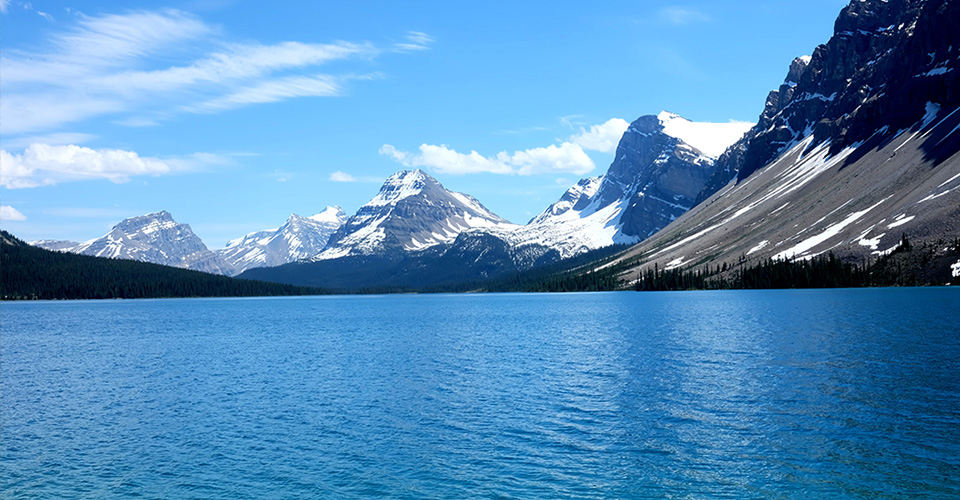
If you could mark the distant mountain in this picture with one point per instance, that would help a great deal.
(411, 212)
(855, 154)
(662, 163)
(415, 234)
(155, 238)
(297, 239)
(28, 272)
(56, 245)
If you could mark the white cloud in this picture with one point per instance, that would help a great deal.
(46, 165)
(9, 213)
(415, 40)
(567, 157)
(603, 137)
(3, 6)
(146, 66)
(340, 176)
(682, 15)
(236, 63)
(46, 16)
(272, 91)
(448, 161)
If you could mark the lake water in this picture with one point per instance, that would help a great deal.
(734, 394)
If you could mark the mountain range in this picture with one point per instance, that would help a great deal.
(856, 149)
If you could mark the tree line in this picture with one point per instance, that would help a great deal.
(27, 272)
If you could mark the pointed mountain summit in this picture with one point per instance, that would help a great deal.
(658, 171)
(297, 239)
(155, 238)
(411, 212)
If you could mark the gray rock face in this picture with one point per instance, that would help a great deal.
(860, 146)
(155, 238)
(411, 212)
(659, 176)
(872, 79)
(298, 238)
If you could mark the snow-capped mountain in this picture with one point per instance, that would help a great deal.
(297, 239)
(662, 163)
(411, 212)
(858, 148)
(156, 238)
(57, 245)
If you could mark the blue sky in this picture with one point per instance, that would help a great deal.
(232, 115)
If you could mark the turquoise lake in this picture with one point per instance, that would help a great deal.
(731, 394)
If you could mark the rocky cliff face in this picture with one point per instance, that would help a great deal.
(658, 176)
(155, 238)
(871, 80)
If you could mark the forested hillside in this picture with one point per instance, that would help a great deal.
(27, 272)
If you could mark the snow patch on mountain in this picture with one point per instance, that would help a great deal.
(712, 139)
(411, 212)
(298, 238)
(155, 238)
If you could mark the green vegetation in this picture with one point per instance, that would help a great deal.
(28, 272)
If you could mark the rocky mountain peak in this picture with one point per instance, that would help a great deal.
(575, 199)
(797, 69)
(402, 185)
(155, 237)
(412, 211)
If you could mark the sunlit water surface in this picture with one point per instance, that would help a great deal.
(750, 394)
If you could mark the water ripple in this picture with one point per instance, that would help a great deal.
(776, 394)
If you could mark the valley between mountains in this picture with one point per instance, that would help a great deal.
(856, 156)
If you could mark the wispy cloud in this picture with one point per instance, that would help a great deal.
(4, 4)
(120, 64)
(46, 165)
(340, 176)
(682, 15)
(567, 157)
(8, 213)
(272, 91)
(415, 40)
